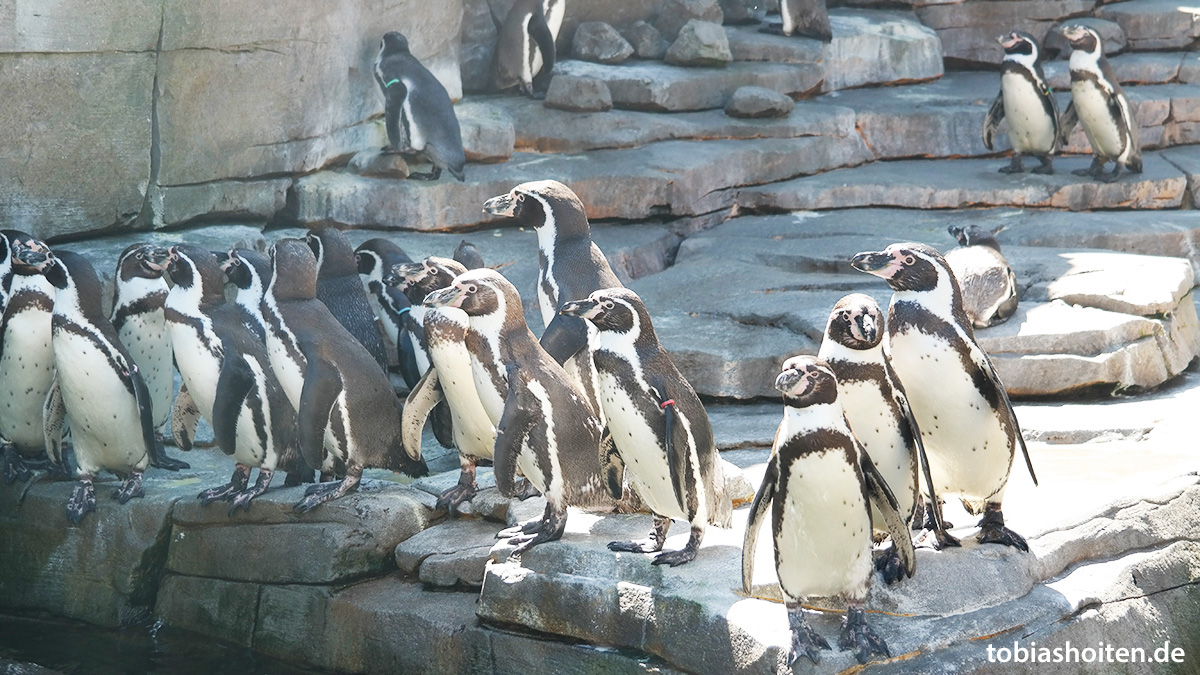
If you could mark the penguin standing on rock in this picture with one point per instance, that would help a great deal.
(525, 51)
(988, 284)
(968, 426)
(418, 113)
(339, 287)
(802, 18)
(1025, 100)
(348, 415)
(876, 409)
(545, 428)
(98, 386)
(663, 438)
(1098, 101)
(819, 485)
(375, 259)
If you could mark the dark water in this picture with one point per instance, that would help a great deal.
(78, 649)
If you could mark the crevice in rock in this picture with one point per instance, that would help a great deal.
(148, 576)
(146, 218)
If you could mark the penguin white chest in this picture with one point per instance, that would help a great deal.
(252, 448)
(823, 546)
(147, 339)
(26, 373)
(1030, 128)
(289, 373)
(874, 424)
(645, 458)
(198, 366)
(474, 432)
(1099, 124)
(969, 451)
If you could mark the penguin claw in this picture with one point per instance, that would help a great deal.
(643, 546)
(806, 642)
(526, 490)
(999, 534)
(130, 489)
(15, 467)
(169, 463)
(527, 527)
(82, 500)
(450, 499)
(674, 558)
(888, 564)
(858, 637)
(221, 493)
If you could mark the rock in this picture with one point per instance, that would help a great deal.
(221, 609)
(599, 42)
(759, 102)
(646, 41)
(1132, 68)
(487, 133)
(578, 94)
(880, 47)
(675, 14)
(1111, 37)
(968, 29)
(742, 11)
(379, 164)
(701, 44)
(451, 554)
(747, 44)
(614, 12)
(244, 201)
(1153, 24)
(664, 88)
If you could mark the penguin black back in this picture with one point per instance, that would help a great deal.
(339, 287)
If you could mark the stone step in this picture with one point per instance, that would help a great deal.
(1153, 24)
(960, 183)
(968, 29)
(1136, 68)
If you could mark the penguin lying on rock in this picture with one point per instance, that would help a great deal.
(817, 485)
(987, 281)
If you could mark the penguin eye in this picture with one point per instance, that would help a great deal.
(608, 304)
(141, 256)
(471, 288)
(909, 260)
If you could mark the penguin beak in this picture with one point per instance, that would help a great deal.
(880, 263)
(504, 205)
(401, 273)
(867, 329)
(156, 257)
(450, 296)
(1008, 41)
(788, 380)
(35, 258)
(584, 309)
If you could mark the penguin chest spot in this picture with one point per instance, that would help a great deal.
(26, 373)
(640, 442)
(1091, 103)
(822, 528)
(875, 425)
(198, 366)
(105, 421)
(147, 339)
(1030, 128)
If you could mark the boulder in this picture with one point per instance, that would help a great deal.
(379, 164)
(452, 554)
(700, 44)
(675, 14)
(746, 43)
(755, 102)
(1154, 24)
(477, 47)
(487, 133)
(880, 47)
(646, 41)
(742, 11)
(578, 94)
(1111, 37)
(599, 42)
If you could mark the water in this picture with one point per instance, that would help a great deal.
(79, 649)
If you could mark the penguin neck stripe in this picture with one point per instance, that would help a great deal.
(390, 83)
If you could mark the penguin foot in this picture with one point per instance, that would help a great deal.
(82, 500)
(526, 490)
(936, 539)
(433, 175)
(1109, 177)
(771, 28)
(450, 499)
(648, 545)
(887, 563)
(1015, 166)
(15, 467)
(527, 527)
(326, 492)
(1047, 167)
(131, 488)
(683, 555)
(805, 640)
(993, 531)
(242, 499)
(237, 483)
(161, 460)
(858, 637)
(1082, 172)
(58, 472)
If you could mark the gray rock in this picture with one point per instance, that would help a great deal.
(646, 41)
(700, 44)
(742, 11)
(1132, 68)
(376, 163)
(1153, 24)
(487, 133)
(675, 14)
(221, 609)
(747, 44)
(238, 201)
(880, 47)
(755, 102)
(1111, 36)
(968, 30)
(614, 12)
(578, 94)
(599, 42)
(451, 554)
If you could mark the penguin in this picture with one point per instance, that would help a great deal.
(570, 268)
(802, 18)
(250, 272)
(97, 385)
(987, 281)
(228, 373)
(967, 423)
(820, 484)
(468, 254)
(375, 259)
(545, 428)
(140, 291)
(877, 411)
(339, 287)
(348, 417)
(418, 113)
(663, 438)
(1025, 100)
(525, 51)
(1098, 101)
(26, 357)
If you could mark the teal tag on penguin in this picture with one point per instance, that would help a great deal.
(390, 83)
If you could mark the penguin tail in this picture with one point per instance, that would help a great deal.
(462, 178)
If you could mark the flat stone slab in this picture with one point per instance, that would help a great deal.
(879, 47)
(1131, 68)
(960, 183)
(1153, 24)
(968, 29)
(452, 554)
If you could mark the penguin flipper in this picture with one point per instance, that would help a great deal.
(515, 424)
(322, 384)
(54, 416)
(993, 380)
(540, 33)
(1066, 123)
(612, 467)
(234, 383)
(991, 123)
(407, 349)
(184, 417)
(758, 511)
(885, 501)
(141, 396)
(565, 337)
(676, 451)
(421, 400)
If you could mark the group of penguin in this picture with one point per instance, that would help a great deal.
(1097, 101)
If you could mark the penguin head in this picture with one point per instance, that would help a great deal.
(1020, 47)
(906, 267)
(195, 268)
(145, 261)
(293, 270)
(417, 280)
(469, 255)
(615, 310)
(856, 322)
(370, 256)
(973, 235)
(547, 206)
(18, 241)
(42, 261)
(480, 293)
(807, 380)
(1081, 37)
(394, 43)
(246, 269)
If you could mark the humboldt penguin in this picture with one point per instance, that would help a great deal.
(97, 385)
(545, 428)
(416, 103)
(468, 254)
(802, 18)
(987, 281)
(525, 51)
(820, 484)
(348, 415)
(1098, 101)
(375, 259)
(968, 426)
(339, 287)
(1026, 102)
(663, 438)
